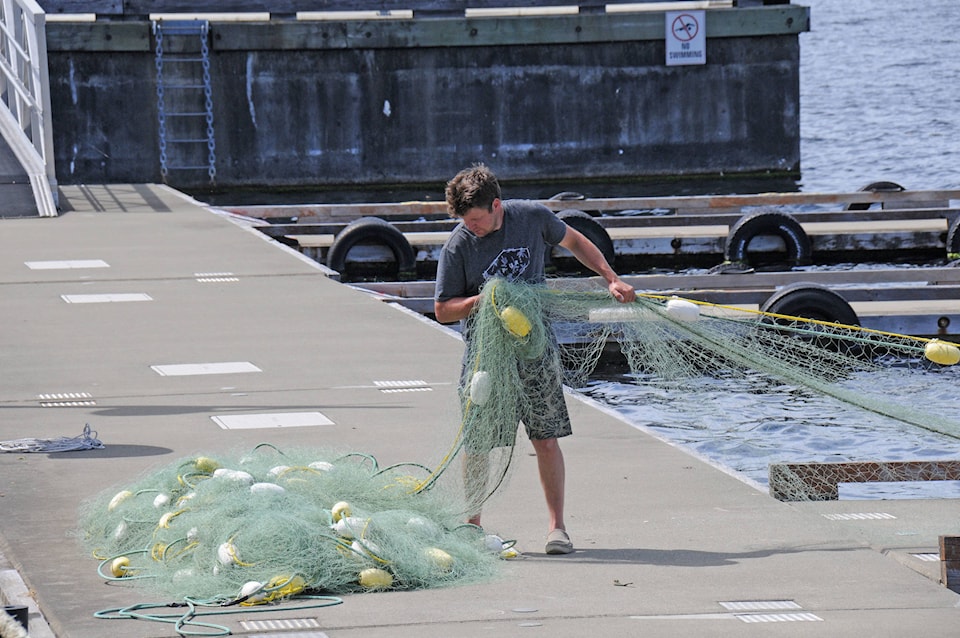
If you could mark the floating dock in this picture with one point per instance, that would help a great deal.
(888, 252)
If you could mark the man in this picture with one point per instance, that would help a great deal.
(509, 239)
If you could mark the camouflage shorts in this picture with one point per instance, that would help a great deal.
(544, 413)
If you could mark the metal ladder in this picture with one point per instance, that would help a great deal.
(184, 98)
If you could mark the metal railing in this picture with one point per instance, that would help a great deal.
(25, 115)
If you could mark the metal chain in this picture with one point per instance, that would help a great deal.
(208, 103)
(161, 112)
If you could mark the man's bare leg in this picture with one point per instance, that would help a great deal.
(552, 478)
(476, 471)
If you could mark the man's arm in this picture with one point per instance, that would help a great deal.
(591, 257)
(454, 309)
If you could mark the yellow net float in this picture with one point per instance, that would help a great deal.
(340, 510)
(205, 464)
(439, 558)
(515, 322)
(375, 578)
(942, 352)
(118, 566)
(119, 498)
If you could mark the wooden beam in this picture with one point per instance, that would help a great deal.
(820, 481)
(289, 7)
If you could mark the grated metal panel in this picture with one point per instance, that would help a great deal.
(409, 385)
(187, 369)
(66, 400)
(758, 618)
(284, 623)
(866, 516)
(215, 277)
(759, 605)
(107, 298)
(927, 557)
(275, 420)
(66, 264)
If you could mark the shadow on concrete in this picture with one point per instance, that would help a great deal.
(674, 557)
(112, 452)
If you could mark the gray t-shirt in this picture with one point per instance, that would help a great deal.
(515, 252)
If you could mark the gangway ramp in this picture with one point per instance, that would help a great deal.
(16, 194)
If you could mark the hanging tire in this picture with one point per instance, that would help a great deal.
(811, 301)
(774, 223)
(953, 239)
(875, 187)
(372, 230)
(592, 230)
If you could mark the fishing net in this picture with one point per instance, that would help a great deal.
(272, 524)
(671, 344)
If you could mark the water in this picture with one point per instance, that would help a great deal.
(747, 424)
(879, 84)
(879, 88)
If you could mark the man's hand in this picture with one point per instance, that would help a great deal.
(622, 291)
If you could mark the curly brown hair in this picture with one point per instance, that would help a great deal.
(474, 187)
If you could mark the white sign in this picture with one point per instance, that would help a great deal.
(686, 38)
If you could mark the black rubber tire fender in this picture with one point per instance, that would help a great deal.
(565, 196)
(811, 301)
(776, 223)
(592, 230)
(875, 187)
(371, 230)
(953, 239)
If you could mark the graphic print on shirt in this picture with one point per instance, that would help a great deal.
(509, 264)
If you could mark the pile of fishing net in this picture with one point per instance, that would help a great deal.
(675, 344)
(266, 525)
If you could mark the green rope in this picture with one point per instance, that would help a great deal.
(186, 623)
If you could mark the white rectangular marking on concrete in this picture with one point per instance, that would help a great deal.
(62, 265)
(107, 298)
(186, 369)
(275, 420)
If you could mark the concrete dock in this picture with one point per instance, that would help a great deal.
(134, 277)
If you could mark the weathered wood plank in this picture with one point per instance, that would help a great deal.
(289, 7)
(698, 204)
(99, 37)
